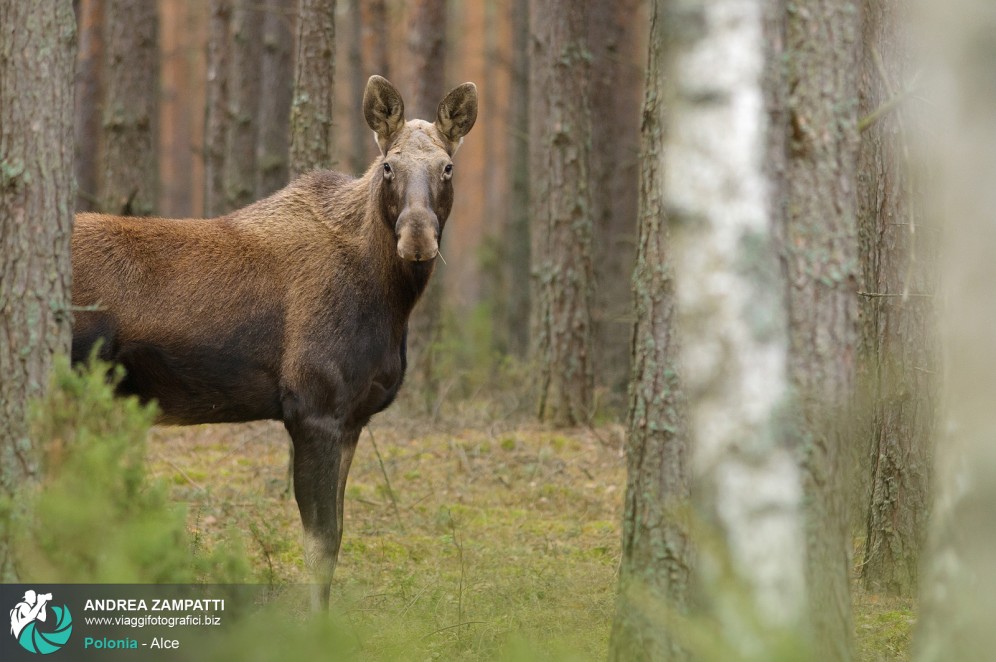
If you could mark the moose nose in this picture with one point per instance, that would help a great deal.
(417, 232)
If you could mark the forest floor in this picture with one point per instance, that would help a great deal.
(461, 542)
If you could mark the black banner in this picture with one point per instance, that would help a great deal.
(126, 621)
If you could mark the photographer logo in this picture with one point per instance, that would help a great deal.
(34, 630)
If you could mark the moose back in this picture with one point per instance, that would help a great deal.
(294, 308)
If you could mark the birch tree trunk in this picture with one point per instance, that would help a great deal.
(958, 591)
(732, 320)
(37, 55)
(656, 562)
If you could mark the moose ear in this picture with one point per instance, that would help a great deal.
(383, 109)
(457, 113)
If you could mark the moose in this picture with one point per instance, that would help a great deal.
(294, 308)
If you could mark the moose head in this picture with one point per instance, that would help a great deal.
(416, 167)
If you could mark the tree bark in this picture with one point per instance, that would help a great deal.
(517, 237)
(275, 100)
(615, 99)
(129, 176)
(217, 117)
(656, 561)
(312, 142)
(37, 53)
(244, 88)
(732, 320)
(819, 253)
(560, 144)
(898, 344)
(957, 605)
(89, 102)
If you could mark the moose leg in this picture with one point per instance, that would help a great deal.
(323, 451)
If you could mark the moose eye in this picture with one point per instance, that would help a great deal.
(388, 173)
(448, 171)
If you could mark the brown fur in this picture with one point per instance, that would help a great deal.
(293, 308)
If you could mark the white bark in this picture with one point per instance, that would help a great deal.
(732, 314)
(958, 591)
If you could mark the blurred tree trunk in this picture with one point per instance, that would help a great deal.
(734, 336)
(275, 99)
(898, 345)
(427, 76)
(656, 560)
(516, 242)
(217, 117)
(311, 134)
(129, 176)
(245, 89)
(819, 251)
(560, 199)
(37, 56)
(615, 100)
(958, 590)
(89, 102)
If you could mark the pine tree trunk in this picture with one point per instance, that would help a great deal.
(898, 346)
(129, 178)
(560, 144)
(244, 88)
(217, 116)
(37, 54)
(957, 603)
(615, 89)
(312, 144)
(89, 101)
(819, 250)
(656, 561)
(275, 99)
(517, 238)
(732, 320)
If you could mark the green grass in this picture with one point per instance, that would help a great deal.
(501, 536)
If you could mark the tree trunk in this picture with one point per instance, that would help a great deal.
(427, 76)
(244, 89)
(958, 607)
(275, 98)
(819, 251)
(312, 144)
(217, 117)
(129, 177)
(656, 561)
(560, 132)
(37, 53)
(615, 90)
(89, 102)
(732, 320)
(517, 238)
(898, 347)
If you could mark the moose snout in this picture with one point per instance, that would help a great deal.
(418, 236)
